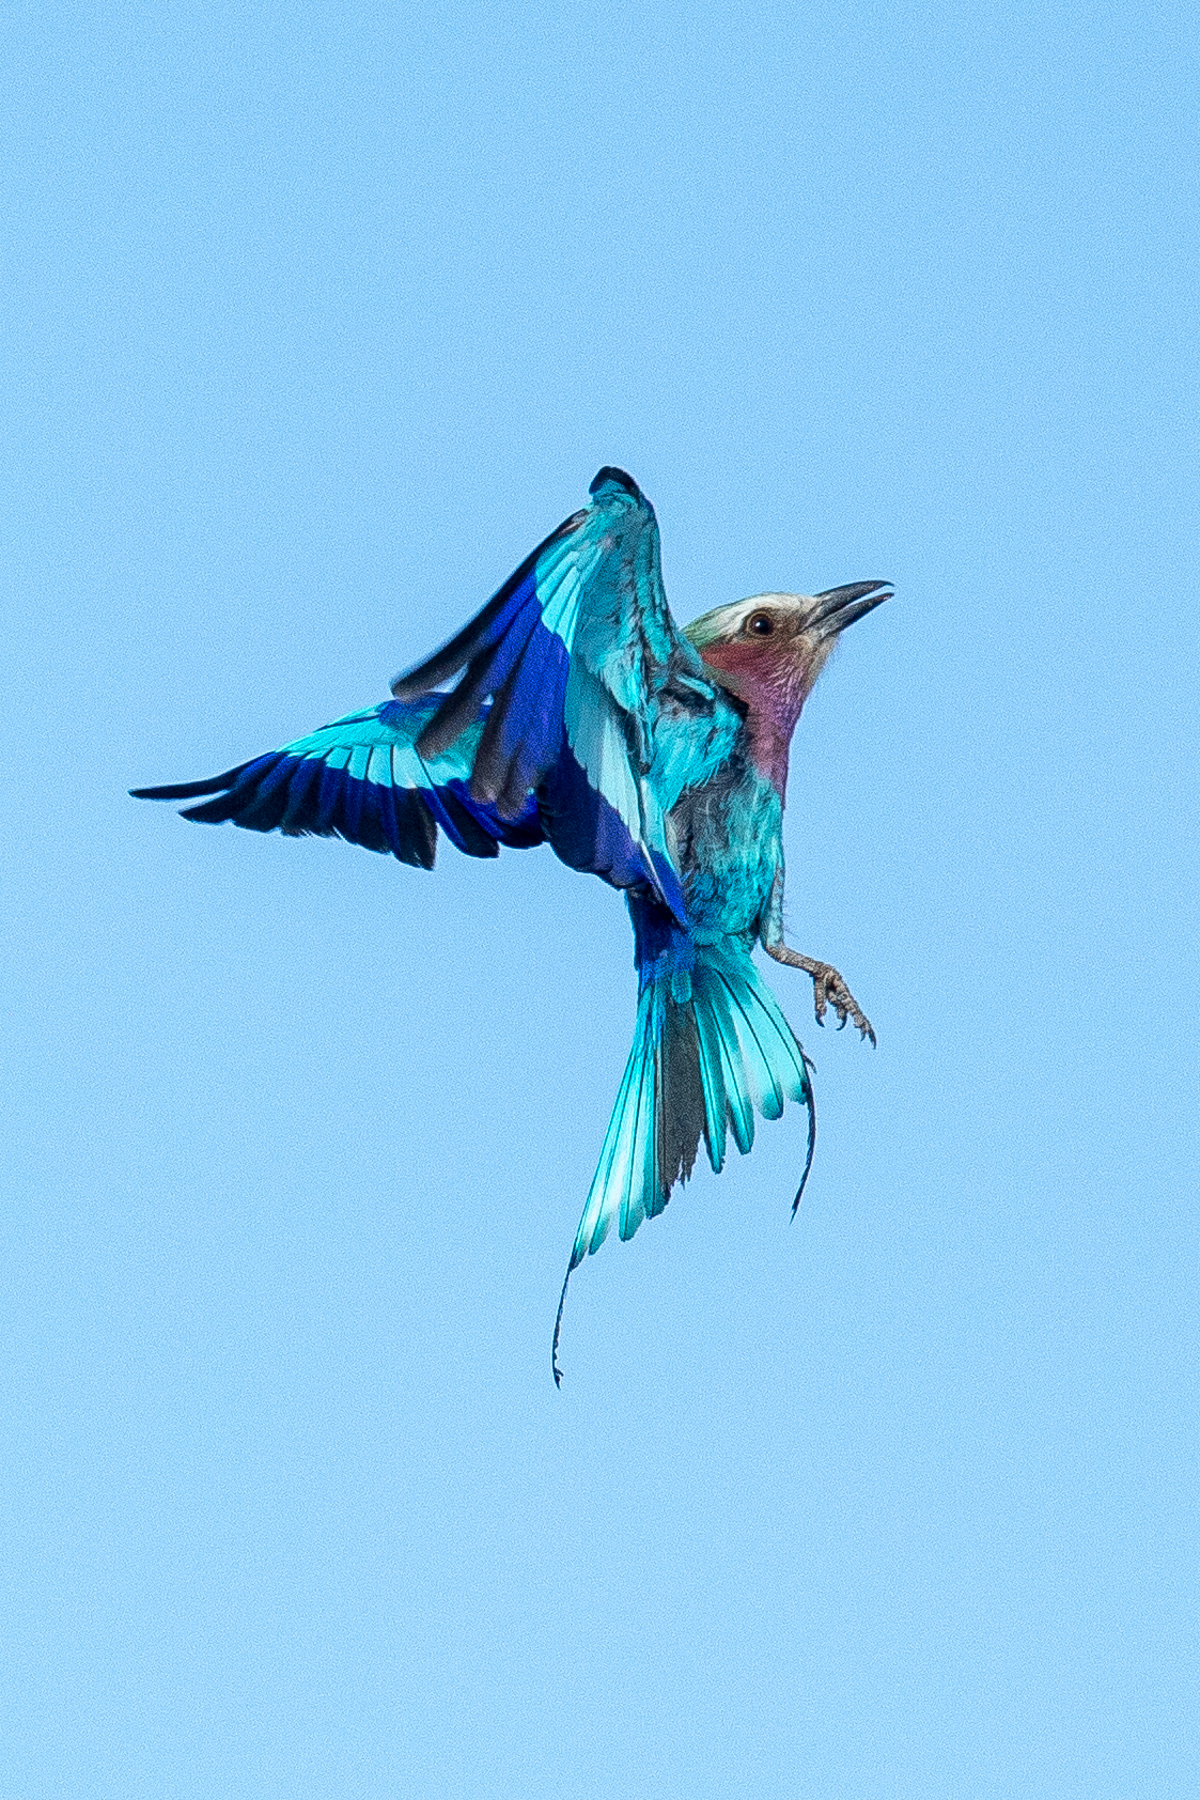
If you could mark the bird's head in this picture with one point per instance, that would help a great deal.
(769, 650)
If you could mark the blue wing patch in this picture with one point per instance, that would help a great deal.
(363, 779)
(573, 652)
(547, 736)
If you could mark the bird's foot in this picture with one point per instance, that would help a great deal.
(830, 990)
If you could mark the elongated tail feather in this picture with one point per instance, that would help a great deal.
(707, 1052)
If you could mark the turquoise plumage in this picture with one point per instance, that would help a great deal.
(582, 717)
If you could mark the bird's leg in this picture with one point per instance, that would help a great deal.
(828, 988)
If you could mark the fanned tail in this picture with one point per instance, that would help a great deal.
(710, 1047)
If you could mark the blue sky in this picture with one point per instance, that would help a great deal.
(316, 319)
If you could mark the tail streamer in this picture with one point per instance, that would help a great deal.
(710, 1048)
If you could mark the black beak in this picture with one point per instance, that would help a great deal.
(841, 606)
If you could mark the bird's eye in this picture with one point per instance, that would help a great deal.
(760, 624)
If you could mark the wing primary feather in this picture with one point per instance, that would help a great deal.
(465, 644)
(523, 774)
(481, 633)
(390, 820)
(459, 823)
(306, 780)
(369, 829)
(240, 796)
(524, 733)
(192, 790)
(486, 674)
(264, 809)
(328, 802)
(418, 828)
(349, 818)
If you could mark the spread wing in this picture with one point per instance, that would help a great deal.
(363, 779)
(577, 654)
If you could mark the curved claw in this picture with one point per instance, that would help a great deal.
(830, 990)
(828, 987)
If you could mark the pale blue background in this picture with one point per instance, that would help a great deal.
(316, 319)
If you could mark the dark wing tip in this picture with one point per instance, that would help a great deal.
(618, 478)
(189, 790)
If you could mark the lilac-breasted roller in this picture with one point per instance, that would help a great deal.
(582, 717)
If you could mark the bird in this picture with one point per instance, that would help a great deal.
(573, 711)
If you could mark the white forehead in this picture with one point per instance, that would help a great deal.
(771, 603)
(728, 621)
